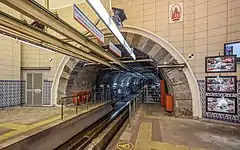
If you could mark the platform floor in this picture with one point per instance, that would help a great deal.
(152, 130)
(19, 122)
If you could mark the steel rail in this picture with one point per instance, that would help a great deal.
(39, 13)
(125, 61)
(22, 30)
(82, 139)
(19, 37)
(171, 65)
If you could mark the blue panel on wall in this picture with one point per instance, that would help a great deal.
(47, 85)
(11, 93)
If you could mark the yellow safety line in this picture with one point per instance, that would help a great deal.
(20, 128)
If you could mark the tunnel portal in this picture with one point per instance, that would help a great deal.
(146, 72)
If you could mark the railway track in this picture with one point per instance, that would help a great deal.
(84, 138)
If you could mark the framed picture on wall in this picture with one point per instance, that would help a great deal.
(217, 64)
(227, 105)
(221, 84)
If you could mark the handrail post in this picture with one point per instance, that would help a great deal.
(136, 103)
(130, 115)
(87, 100)
(76, 103)
(61, 109)
(134, 107)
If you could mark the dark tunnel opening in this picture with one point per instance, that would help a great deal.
(118, 85)
(122, 84)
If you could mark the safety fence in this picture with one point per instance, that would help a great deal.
(81, 101)
(151, 94)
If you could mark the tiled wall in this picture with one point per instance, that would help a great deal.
(35, 57)
(206, 26)
(219, 116)
(12, 93)
(47, 85)
(10, 52)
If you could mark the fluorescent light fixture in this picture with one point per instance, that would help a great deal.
(25, 42)
(103, 14)
(35, 45)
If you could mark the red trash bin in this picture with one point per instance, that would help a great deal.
(162, 92)
(79, 97)
(75, 99)
(169, 103)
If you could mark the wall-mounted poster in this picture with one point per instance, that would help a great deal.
(221, 84)
(220, 64)
(226, 105)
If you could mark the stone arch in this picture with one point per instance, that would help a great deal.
(61, 78)
(182, 84)
(187, 101)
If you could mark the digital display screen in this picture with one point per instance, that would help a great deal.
(232, 49)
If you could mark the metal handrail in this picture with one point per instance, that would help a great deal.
(76, 103)
(135, 106)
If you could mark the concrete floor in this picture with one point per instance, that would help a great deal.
(152, 130)
(27, 115)
(20, 121)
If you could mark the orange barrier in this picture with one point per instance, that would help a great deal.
(162, 92)
(169, 103)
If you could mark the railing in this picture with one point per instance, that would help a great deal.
(133, 105)
(151, 95)
(80, 102)
(98, 98)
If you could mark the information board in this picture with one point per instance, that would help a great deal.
(87, 24)
(104, 16)
(114, 49)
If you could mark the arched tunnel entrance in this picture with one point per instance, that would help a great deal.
(152, 52)
(124, 84)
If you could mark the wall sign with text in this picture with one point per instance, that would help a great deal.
(114, 49)
(99, 9)
(175, 12)
(87, 24)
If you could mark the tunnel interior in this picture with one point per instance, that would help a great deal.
(122, 84)
(117, 84)
(151, 52)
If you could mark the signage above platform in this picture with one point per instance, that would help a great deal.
(176, 13)
(104, 16)
(87, 24)
(114, 49)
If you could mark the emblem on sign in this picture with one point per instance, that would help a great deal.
(176, 13)
(125, 145)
